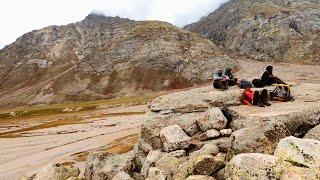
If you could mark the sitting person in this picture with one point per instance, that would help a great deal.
(268, 78)
(257, 98)
(220, 81)
(232, 81)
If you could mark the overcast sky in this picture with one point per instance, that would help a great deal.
(21, 16)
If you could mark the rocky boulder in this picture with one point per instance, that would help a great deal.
(56, 172)
(212, 119)
(314, 133)
(103, 165)
(254, 166)
(300, 152)
(174, 138)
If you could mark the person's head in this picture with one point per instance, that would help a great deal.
(248, 87)
(269, 69)
(219, 72)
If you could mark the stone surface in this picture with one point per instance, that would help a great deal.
(155, 174)
(303, 152)
(226, 132)
(178, 153)
(254, 166)
(209, 134)
(212, 119)
(56, 172)
(102, 165)
(313, 133)
(144, 146)
(207, 165)
(174, 138)
(150, 161)
(299, 173)
(266, 29)
(122, 176)
(209, 148)
(271, 124)
(87, 60)
(169, 165)
(224, 144)
(196, 100)
(139, 157)
(200, 177)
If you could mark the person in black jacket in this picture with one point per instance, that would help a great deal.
(232, 81)
(268, 78)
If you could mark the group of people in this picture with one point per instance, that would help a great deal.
(222, 80)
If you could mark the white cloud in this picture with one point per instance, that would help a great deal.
(19, 16)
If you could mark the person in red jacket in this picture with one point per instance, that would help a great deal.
(251, 97)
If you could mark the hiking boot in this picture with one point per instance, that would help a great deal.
(261, 105)
(267, 104)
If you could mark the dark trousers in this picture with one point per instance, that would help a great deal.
(260, 97)
(220, 84)
(273, 80)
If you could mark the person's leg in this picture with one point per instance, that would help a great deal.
(256, 97)
(264, 97)
(224, 84)
(278, 81)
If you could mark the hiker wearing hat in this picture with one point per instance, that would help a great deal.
(220, 81)
(258, 98)
(268, 78)
(232, 81)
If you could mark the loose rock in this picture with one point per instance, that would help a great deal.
(212, 119)
(174, 138)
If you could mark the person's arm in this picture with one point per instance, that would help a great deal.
(246, 102)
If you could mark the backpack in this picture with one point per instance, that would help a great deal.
(243, 84)
(258, 83)
(281, 93)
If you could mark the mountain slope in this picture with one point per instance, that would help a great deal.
(281, 30)
(102, 57)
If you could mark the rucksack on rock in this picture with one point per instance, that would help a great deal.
(244, 83)
(282, 92)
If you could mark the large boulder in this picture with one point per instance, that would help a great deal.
(255, 166)
(103, 165)
(169, 165)
(56, 172)
(314, 133)
(196, 100)
(260, 129)
(302, 152)
(174, 138)
(212, 119)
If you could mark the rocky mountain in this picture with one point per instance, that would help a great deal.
(102, 57)
(280, 30)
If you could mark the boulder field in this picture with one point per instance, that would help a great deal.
(205, 133)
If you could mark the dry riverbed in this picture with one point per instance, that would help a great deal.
(29, 143)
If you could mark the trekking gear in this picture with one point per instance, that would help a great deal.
(244, 83)
(258, 83)
(282, 92)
